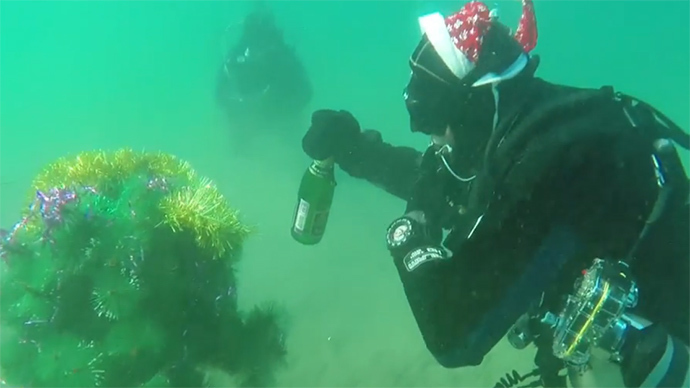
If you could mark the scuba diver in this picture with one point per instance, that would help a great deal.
(529, 190)
(262, 82)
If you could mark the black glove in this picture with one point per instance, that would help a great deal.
(331, 134)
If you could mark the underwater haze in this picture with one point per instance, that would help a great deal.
(85, 75)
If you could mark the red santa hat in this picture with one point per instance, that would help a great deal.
(458, 39)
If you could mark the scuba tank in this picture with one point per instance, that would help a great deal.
(314, 200)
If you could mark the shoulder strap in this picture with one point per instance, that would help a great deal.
(641, 113)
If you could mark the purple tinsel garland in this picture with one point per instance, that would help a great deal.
(50, 205)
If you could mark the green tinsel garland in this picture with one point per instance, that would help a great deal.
(121, 274)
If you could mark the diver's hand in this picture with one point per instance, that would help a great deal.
(332, 133)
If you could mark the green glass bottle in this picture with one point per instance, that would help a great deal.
(315, 197)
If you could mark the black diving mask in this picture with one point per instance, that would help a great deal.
(433, 92)
(435, 98)
(429, 110)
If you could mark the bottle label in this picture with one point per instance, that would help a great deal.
(302, 213)
(320, 222)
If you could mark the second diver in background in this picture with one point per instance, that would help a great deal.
(262, 84)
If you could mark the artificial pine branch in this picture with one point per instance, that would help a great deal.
(120, 274)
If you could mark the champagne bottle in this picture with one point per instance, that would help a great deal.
(315, 197)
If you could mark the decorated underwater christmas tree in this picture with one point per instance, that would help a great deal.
(120, 274)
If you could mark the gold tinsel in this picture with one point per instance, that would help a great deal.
(95, 167)
(194, 205)
(202, 208)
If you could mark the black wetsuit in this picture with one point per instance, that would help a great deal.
(564, 178)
